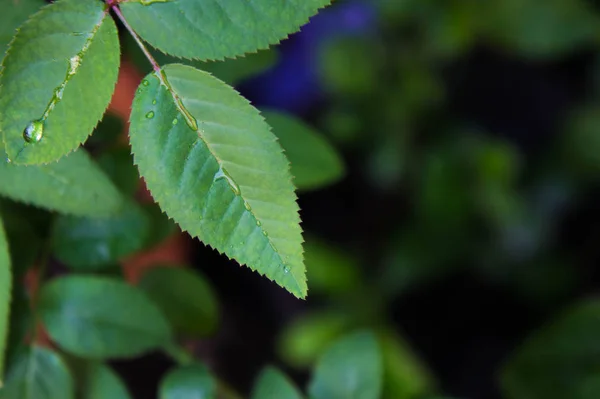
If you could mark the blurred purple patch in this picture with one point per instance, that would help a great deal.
(293, 84)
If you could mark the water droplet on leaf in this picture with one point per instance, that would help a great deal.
(175, 121)
(247, 206)
(150, 115)
(34, 131)
(153, 102)
(221, 174)
(145, 82)
(286, 270)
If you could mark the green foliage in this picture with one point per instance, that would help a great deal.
(38, 373)
(314, 162)
(217, 29)
(349, 369)
(185, 298)
(5, 289)
(49, 106)
(92, 243)
(212, 164)
(15, 15)
(273, 384)
(100, 382)
(98, 317)
(189, 382)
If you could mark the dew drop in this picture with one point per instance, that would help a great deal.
(150, 115)
(145, 82)
(264, 233)
(247, 206)
(286, 270)
(221, 174)
(175, 121)
(153, 102)
(34, 131)
(258, 223)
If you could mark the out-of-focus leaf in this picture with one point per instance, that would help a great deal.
(5, 296)
(559, 359)
(303, 340)
(314, 162)
(189, 382)
(100, 382)
(118, 165)
(161, 227)
(351, 368)
(273, 384)
(107, 131)
(581, 143)
(185, 298)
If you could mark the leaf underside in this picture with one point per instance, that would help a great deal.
(73, 185)
(215, 29)
(5, 295)
(60, 70)
(213, 165)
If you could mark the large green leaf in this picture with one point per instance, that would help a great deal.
(5, 295)
(73, 185)
(100, 382)
(214, 29)
(559, 360)
(273, 384)
(213, 165)
(315, 163)
(91, 243)
(185, 298)
(38, 373)
(14, 15)
(58, 78)
(189, 382)
(97, 317)
(349, 369)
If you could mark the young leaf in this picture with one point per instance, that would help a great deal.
(100, 382)
(273, 384)
(186, 299)
(14, 15)
(349, 369)
(5, 295)
(559, 360)
(216, 29)
(97, 317)
(91, 243)
(73, 185)
(189, 382)
(212, 164)
(315, 163)
(38, 373)
(58, 77)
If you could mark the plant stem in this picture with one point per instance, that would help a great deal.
(139, 42)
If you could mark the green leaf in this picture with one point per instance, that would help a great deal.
(97, 317)
(118, 165)
(39, 373)
(5, 296)
(161, 227)
(91, 243)
(189, 382)
(73, 185)
(100, 382)
(107, 132)
(59, 76)
(559, 360)
(349, 369)
(314, 162)
(303, 340)
(216, 29)
(212, 164)
(14, 15)
(273, 384)
(185, 298)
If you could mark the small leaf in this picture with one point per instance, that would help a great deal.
(349, 369)
(97, 317)
(315, 163)
(13, 16)
(5, 297)
(184, 297)
(212, 164)
(73, 185)
(58, 78)
(100, 382)
(91, 243)
(273, 384)
(38, 373)
(118, 165)
(189, 382)
(560, 359)
(216, 29)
